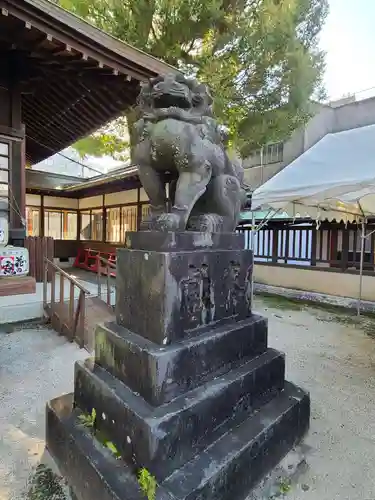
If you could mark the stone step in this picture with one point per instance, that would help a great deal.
(230, 467)
(227, 470)
(94, 472)
(160, 373)
(97, 311)
(163, 438)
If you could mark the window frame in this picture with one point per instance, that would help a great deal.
(39, 210)
(7, 156)
(62, 212)
(90, 212)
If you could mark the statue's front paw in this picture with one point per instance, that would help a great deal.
(168, 222)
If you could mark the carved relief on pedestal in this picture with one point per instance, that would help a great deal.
(196, 297)
(238, 288)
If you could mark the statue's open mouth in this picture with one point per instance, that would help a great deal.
(178, 100)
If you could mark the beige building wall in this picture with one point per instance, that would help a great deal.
(91, 202)
(335, 117)
(121, 197)
(312, 280)
(59, 202)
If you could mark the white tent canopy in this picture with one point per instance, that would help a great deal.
(335, 179)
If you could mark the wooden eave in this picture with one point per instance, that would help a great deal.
(73, 78)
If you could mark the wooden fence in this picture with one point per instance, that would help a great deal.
(332, 245)
(39, 248)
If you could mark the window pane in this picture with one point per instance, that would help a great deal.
(70, 225)
(52, 224)
(85, 226)
(4, 149)
(4, 190)
(4, 176)
(4, 202)
(113, 228)
(97, 225)
(129, 220)
(33, 221)
(145, 211)
(4, 163)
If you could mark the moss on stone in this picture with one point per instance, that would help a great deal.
(44, 484)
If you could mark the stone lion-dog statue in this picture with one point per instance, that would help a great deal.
(177, 135)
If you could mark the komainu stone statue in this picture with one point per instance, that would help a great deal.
(183, 383)
(177, 134)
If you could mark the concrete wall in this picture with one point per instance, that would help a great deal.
(336, 117)
(256, 176)
(353, 115)
(301, 140)
(315, 280)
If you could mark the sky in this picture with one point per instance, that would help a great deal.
(348, 38)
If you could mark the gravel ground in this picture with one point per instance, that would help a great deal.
(35, 365)
(329, 354)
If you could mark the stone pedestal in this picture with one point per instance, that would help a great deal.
(183, 384)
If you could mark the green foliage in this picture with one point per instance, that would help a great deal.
(285, 486)
(260, 57)
(88, 420)
(112, 448)
(104, 144)
(44, 484)
(147, 483)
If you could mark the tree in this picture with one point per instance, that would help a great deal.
(260, 57)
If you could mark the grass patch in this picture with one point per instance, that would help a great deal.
(365, 322)
(324, 312)
(44, 484)
(282, 303)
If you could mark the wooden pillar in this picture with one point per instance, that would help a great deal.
(275, 244)
(17, 229)
(345, 249)
(42, 224)
(11, 127)
(104, 225)
(313, 245)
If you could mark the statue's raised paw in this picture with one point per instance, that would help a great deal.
(168, 222)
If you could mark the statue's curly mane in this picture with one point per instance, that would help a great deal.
(201, 97)
(177, 133)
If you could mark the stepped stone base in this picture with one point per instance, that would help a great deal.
(228, 469)
(208, 412)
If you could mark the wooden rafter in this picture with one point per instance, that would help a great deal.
(73, 77)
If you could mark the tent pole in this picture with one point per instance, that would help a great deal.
(363, 236)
